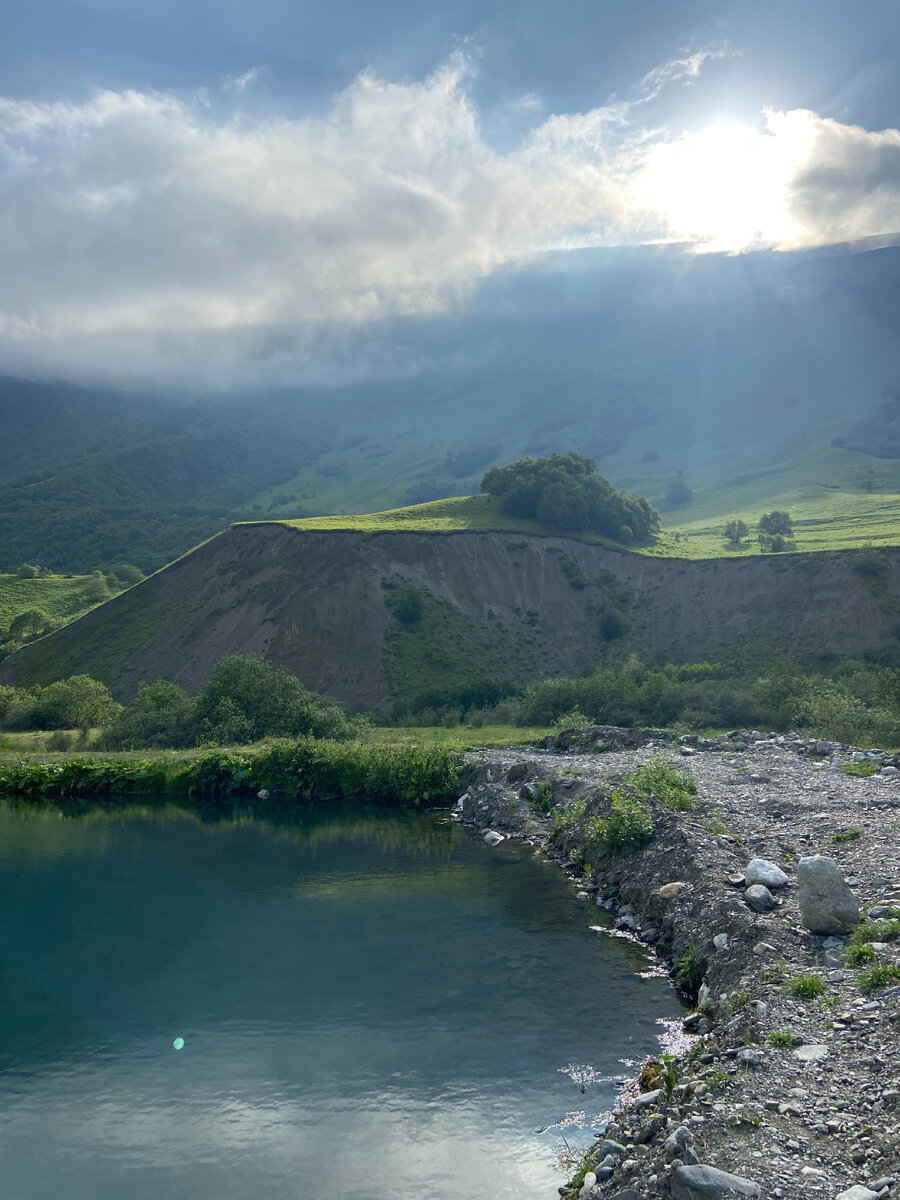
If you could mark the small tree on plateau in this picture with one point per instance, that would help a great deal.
(776, 523)
(735, 532)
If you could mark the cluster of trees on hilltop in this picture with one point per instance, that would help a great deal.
(774, 531)
(566, 492)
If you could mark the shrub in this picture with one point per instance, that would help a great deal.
(674, 789)
(859, 955)
(628, 827)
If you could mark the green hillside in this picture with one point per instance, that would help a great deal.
(61, 597)
(824, 519)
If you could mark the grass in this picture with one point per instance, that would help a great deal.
(861, 769)
(879, 976)
(781, 1039)
(689, 969)
(805, 987)
(61, 597)
(846, 835)
(306, 768)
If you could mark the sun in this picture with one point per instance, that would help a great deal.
(727, 187)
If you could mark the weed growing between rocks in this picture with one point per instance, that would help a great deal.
(657, 777)
(628, 827)
(689, 969)
(846, 835)
(879, 976)
(806, 986)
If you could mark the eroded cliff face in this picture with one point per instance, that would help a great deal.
(317, 603)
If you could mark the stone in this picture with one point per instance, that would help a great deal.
(811, 1053)
(826, 903)
(493, 838)
(609, 1147)
(749, 1058)
(759, 898)
(676, 1142)
(669, 891)
(708, 1183)
(517, 773)
(590, 1182)
(878, 1185)
(720, 941)
(263, 794)
(626, 1194)
(647, 1099)
(857, 1192)
(760, 870)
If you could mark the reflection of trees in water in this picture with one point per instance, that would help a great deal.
(43, 833)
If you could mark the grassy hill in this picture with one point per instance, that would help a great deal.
(824, 519)
(62, 597)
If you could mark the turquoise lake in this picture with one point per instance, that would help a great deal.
(372, 1004)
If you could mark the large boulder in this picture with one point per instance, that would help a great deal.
(709, 1183)
(827, 904)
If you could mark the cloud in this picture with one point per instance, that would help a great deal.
(240, 83)
(147, 220)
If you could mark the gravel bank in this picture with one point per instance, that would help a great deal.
(792, 1094)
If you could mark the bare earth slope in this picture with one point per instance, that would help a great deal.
(504, 605)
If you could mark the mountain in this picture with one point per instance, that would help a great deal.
(756, 380)
(405, 618)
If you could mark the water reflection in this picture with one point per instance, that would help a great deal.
(371, 1002)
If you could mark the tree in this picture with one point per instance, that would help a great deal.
(27, 571)
(76, 703)
(678, 496)
(29, 624)
(247, 699)
(735, 532)
(776, 522)
(565, 492)
(161, 714)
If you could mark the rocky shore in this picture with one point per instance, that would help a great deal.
(770, 887)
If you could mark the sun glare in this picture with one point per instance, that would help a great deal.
(727, 187)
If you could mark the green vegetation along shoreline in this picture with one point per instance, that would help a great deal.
(278, 773)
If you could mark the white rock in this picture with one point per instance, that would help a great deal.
(857, 1192)
(707, 1183)
(493, 838)
(590, 1181)
(720, 941)
(811, 1053)
(760, 870)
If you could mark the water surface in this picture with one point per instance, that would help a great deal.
(372, 1004)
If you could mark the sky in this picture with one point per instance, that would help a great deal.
(182, 182)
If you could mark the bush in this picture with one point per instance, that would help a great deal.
(628, 827)
(674, 789)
